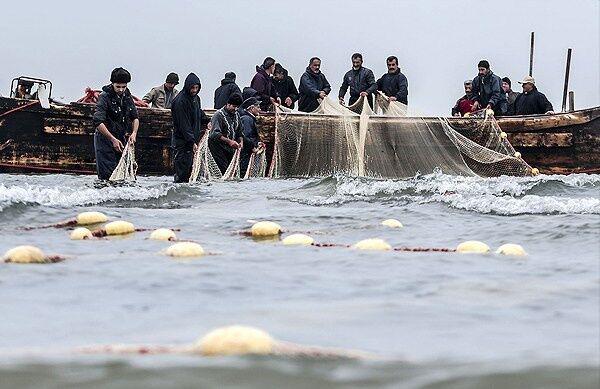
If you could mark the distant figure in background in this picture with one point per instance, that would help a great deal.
(227, 88)
(115, 116)
(532, 101)
(226, 133)
(511, 96)
(24, 90)
(162, 96)
(189, 121)
(249, 111)
(263, 84)
(487, 90)
(360, 80)
(285, 87)
(394, 84)
(465, 104)
(314, 86)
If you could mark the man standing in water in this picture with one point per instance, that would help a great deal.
(487, 90)
(314, 87)
(360, 80)
(114, 117)
(189, 121)
(226, 133)
(249, 111)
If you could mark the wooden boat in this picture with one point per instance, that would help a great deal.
(60, 139)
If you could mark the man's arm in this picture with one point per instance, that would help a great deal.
(402, 95)
(371, 83)
(293, 91)
(150, 97)
(308, 85)
(343, 88)
(326, 86)
(546, 105)
(496, 92)
(99, 120)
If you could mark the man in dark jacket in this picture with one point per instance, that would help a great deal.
(114, 117)
(227, 88)
(226, 133)
(487, 90)
(394, 84)
(263, 84)
(189, 121)
(249, 111)
(360, 80)
(313, 86)
(532, 101)
(284, 86)
(249, 92)
(465, 104)
(511, 96)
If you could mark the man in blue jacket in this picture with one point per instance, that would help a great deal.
(313, 86)
(487, 90)
(249, 111)
(360, 80)
(394, 84)
(115, 116)
(189, 121)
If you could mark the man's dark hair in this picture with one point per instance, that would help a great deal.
(357, 55)
(392, 58)
(279, 69)
(483, 64)
(120, 76)
(313, 59)
(268, 62)
(507, 80)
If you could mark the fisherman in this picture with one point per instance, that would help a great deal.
(394, 84)
(189, 121)
(465, 104)
(263, 84)
(314, 86)
(24, 90)
(285, 87)
(360, 80)
(487, 90)
(532, 101)
(227, 88)
(115, 116)
(162, 96)
(511, 96)
(249, 111)
(249, 92)
(226, 133)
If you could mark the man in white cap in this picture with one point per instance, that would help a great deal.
(532, 101)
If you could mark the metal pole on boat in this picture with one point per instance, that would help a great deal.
(531, 54)
(571, 101)
(566, 88)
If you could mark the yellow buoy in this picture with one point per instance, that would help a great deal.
(298, 239)
(24, 254)
(511, 249)
(235, 340)
(473, 247)
(503, 135)
(265, 228)
(392, 223)
(93, 217)
(517, 154)
(81, 233)
(119, 227)
(163, 234)
(185, 249)
(372, 244)
(535, 171)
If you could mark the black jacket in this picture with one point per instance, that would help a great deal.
(263, 84)
(532, 103)
(394, 85)
(189, 119)
(249, 130)
(310, 85)
(116, 112)
(488, 90)
(361, 80)
(222, 93)
(226, 124)
(286, 88)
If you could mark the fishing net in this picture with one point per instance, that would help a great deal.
(257, 165)
(205, 167)
(354, 140)
(127, 167)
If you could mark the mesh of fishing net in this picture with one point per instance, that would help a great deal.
(127, 167)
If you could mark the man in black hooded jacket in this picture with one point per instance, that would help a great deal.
(227, 88)
(189, 121)
(284, 85)
(394, 84)
(487, 90)
(313, 86)
(114, 117)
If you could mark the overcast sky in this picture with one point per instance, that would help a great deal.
(77, 43)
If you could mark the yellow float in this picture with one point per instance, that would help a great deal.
(511, 249)
(473, 247)
(235, 340)
(298, 239)
(24, 254)
(92, 217)
(163, 234)
(392, 223)
(119, 227)
(373, 244)
(185, 249)
(265, 228)
(81, 233)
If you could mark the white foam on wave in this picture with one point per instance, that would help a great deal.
(60, 196)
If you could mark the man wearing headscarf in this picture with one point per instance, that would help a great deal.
(114, 118)
(226, 133)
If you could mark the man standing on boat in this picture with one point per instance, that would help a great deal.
(487, 90)
(226, 133)
(532, 101)
(162, 96)
(464, 105)
(189, 121)
(314, 86)
(285, 87)
(511, 95)
(263, 84)
(360, 80)
(394, 84)
(114, 117)
(227, 88)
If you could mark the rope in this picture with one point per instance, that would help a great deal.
(19, 108)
